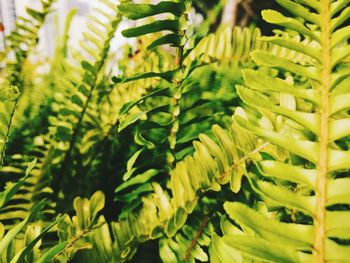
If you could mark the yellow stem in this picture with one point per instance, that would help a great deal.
(319, 243)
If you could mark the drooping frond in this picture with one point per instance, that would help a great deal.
(12, 244)
(37, 185)
(189, 244)
(23, 239)
(213, 164)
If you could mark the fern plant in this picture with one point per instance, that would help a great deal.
(73, 116)
(309, 188)
(221, 147)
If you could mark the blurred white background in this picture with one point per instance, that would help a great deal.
(54, 24)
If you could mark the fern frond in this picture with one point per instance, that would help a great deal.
(315, 191)
(24, 39)
(235, 46)
(9, 239)
(36, 188)
(74, 233)
(80, 90)
(188, 244)
(227, 45)
(175, 25)
(210, 167)
(21, 42)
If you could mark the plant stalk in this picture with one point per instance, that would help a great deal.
(7, 135)
(320, 238)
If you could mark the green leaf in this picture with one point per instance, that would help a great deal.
(130, 119)
(170, 229)
(168, 76)
(289, 172)
(139, 179)
(311, 3)
(338, 224)
(21, 255)
(298, 46)
(336, 6)
(295, 235)
(180, 217)
(225, 143)
(267, 59)
(87, 66)
(338, 191)
(310, 121)
(63, 133)
(338, 160)
(339, 103)
(277, 18)
(216, 151)
(140, 140)
(237, 172)
(35, 14)
(262, 82)
(52, 252)
(131, 196)
(284, 197)
(13, 232)
(229, 228)
(168, 24)
(134, 117)
(9, 193)
(225, 252)
(97, 203)
(172, 39)
(340, 36)
(166, 252)
(336, 252)
(128, 106)
(339, 129)
(300, 11)
(303, 148)
(130, 165)
(339, 20)
(138, 11)
(259, 249)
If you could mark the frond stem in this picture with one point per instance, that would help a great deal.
(203, 225)
(66, 160)
(245, 158)
(319, 243)
(78, 237)
(176, 107)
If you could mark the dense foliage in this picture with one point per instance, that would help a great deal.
(199, 143)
